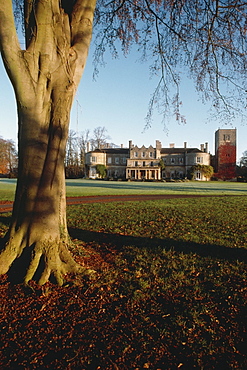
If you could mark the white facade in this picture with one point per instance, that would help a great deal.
(179, 161)
(145, 163)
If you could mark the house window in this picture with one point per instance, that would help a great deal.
(109, 160)
(124, 160)
(199, 159)
(181, 160)
(172, 160)
(143, 154)
(136, 154)
(117, 160)
(151, 164)
(151, 154)
(136, 163)
(144, 163)
(93, 159)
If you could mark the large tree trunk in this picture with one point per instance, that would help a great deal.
(45, 78)
(39, 213)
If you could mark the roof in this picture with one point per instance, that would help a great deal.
(180, 150)
(163, 150)
(111, 151)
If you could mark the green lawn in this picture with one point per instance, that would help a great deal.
(95, 187)
(170, 290)
(203, 221)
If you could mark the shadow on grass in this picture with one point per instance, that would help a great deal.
(5, 219)
(121, 241)
(192, 187)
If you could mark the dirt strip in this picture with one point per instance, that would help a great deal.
(6, 206)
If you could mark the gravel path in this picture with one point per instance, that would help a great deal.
(6, 206)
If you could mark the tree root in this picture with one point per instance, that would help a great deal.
(42, 262)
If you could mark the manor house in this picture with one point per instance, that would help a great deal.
(148, 163)
(156, 163)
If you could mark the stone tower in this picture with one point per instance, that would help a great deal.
(225, 153)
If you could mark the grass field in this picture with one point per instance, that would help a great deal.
(170, 289)
(95, 187)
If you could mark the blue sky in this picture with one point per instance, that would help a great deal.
(118, 100)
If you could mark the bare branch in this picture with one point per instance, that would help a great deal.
(9, 45)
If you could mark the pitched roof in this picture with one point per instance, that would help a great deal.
(163, 150)
(111, 151)
(179, 150)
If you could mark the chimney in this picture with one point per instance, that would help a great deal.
(121, 146)
(158, 144)
(172, 145)
(185, 144)
(130, 144)
(158, 149)
(202, 147)
(88, 146)
(206, 147)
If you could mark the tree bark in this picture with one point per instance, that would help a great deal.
(45, 77)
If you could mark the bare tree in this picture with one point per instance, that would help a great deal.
(208, 37)
(71, 150)
(99, 138)
(83, 140)
(75, 154)
(205, 39)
